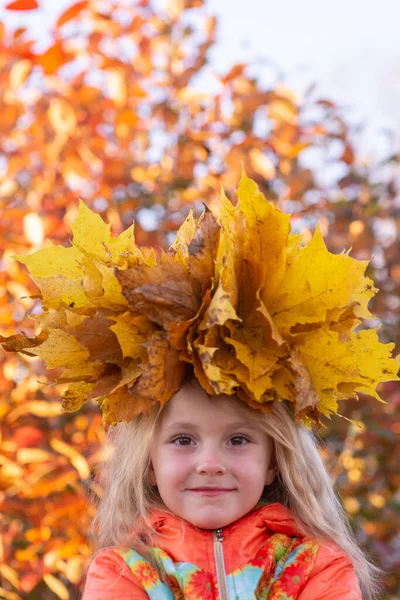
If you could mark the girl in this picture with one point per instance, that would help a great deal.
(207, 498)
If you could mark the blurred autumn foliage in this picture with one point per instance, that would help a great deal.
(112, 112)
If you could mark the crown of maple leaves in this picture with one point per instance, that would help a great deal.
(237, 296)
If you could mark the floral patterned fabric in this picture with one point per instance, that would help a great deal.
(279, 571)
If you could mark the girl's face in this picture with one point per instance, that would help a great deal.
(209, 460)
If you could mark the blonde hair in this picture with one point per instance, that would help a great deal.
(302, 484)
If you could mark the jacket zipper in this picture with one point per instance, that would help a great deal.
(218, 538)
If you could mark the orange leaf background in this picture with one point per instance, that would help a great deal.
(22, 5)
(71, 12)
(111, 115)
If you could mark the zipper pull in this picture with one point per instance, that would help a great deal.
(220, 535)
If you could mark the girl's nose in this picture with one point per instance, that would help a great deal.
(210, 466)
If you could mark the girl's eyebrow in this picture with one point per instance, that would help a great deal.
(181, 425)
(242, 424)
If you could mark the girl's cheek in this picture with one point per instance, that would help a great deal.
(177, 462)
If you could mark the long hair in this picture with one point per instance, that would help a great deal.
(302, 484)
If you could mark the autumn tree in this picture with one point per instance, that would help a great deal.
(114, 111)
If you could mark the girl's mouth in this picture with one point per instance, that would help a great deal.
(210, 491)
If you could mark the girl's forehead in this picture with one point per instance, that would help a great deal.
(192, 404)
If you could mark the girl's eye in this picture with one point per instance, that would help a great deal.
(238, 440)
(182, 440)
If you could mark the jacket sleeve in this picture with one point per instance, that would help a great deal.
(109, 578)
(332, 578)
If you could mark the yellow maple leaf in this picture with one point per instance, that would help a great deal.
(61, 292)
(131, 332)
(121, 406)
(222, 307)
(91, 233)
(123, 247)
(60, 349)
(317, 281)
(359, 363)
(184, 236)
(54, 261)
(266, 232)
(76, 395)
(111, 296)
(86, 372)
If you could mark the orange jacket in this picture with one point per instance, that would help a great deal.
(262, 555)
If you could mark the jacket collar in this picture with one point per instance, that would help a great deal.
(274, 517)
(186, 543)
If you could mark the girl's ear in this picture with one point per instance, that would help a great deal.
(271, 474)
(151, 476)
(272, 471)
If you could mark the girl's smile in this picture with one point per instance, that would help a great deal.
(204, 491)
(210, 460)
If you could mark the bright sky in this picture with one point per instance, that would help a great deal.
(350, 48)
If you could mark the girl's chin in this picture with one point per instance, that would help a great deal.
(210, 521)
